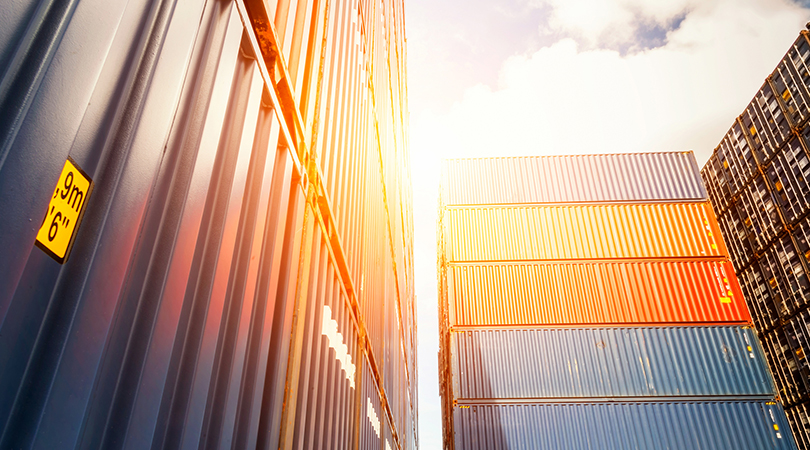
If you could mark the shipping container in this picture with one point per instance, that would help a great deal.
(801, 238)
(717, 187)
(572, 304)
(244, 223)
(589, 363)
(759, 297)
(574, 293)
(739, 157)
(790, 81)
(797, 336)
(775, 267)
(784, 272)
(785, 351)
(759, 213)
(751, 425)
(788, 174)
(582, 232)
(765, 123)
(735, 235)
(633, 177)
(799, 419)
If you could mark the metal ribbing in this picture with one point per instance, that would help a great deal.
(622, 177)
(595, 292)
(582, 232)
(589, 363)
(620, 426)
(767, 214)
(519, 282)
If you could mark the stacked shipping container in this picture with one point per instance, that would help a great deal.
(757, 179)
(588, 302)
(242, 274)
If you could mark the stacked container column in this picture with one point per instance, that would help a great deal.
(764, 214)
(589, 302)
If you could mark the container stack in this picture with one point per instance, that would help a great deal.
(758, 183)
(588, 302)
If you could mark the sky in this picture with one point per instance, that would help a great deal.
(552, 77)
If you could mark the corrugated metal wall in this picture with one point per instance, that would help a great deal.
(242, 275)
(508, 233)
(757, 184)
(619, 426)
(608, 362)
(535, 293)
(543, 179)
(557, 320)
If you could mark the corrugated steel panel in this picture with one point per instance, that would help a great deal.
(788, 174)
(594, 292)
(639, 177)
(371, 415)
(582, 232)
(799, 419)
(790, 81)
(791, 342)
(214, 296)
(742, 163)
(759, 213)
(760, 298)
(619, 426)
(773, 211)
(328, 387)
(736, 237)
(714, 176)
(801, 238)
(788, 362)
(784, 272)
(608, 362)
(765, 123)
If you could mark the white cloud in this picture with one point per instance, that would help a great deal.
(563, 99)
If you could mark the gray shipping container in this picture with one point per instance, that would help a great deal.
(620, 178)
(236, 230)
(621, 426)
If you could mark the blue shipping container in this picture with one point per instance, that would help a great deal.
(609, 362)
(622, 426)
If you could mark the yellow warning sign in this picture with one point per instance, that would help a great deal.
(65, 212)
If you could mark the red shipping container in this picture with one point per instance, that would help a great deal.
(609, 292)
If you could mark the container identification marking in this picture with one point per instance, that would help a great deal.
(65, 211)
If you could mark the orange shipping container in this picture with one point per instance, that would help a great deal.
(582, 232)
(574, 293)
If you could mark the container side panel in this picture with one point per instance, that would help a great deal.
(642, 177)
(595, 292)
(715, 425)
(608, 362)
